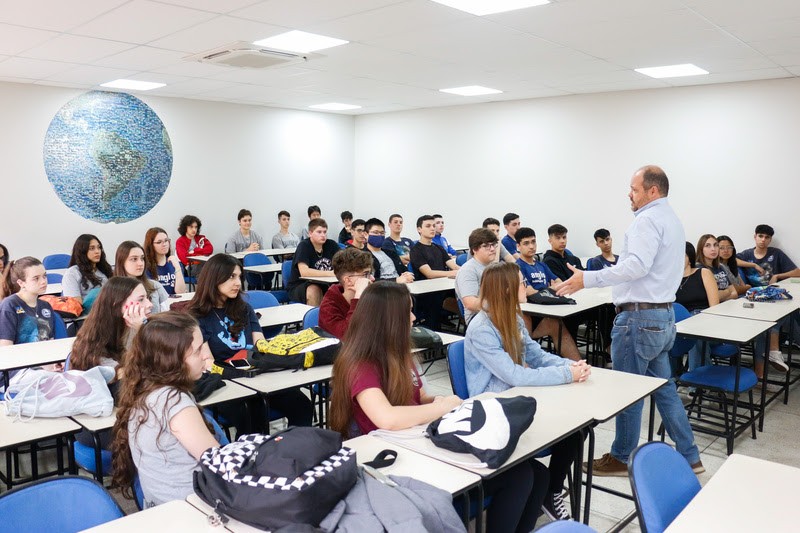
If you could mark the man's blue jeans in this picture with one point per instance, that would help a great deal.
(640, 342)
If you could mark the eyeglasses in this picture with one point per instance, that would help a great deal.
(165, 241)
(358, 230)
(367, 275)
(524, 283)
(726, 248)
(489, 246)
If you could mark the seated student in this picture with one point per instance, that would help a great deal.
(764, 264)
(556, 257)
(229, 324)
(118, 313)
(312, 258)
(386, 263)
(345, 235)
(245, 239)
(161, 264)
(493, 225)
(285, 238)
(353, 269)
(430, 261)
(483, 246)
(395, 241)
(499, 354)
(438, 224)
(23, 316)
(88, 268)
(191, 242)
(4, 259)
(538, 276)
(708, 257)
(160, 432)
(727, 256)
(376, 386)
(697, 291)
(607, 258)
(314, 213)
(129, 261)
(357, 229)
(512, 224)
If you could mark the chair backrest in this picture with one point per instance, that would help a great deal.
(458, 374)
(662, 483)
(255, 259)
(59, 505)
(311, 318)
(681, 345)
(60, 329)
(566, 526)
(259, 299)
(54, 277)
(461, 259)
(56, 261)
(286, 271)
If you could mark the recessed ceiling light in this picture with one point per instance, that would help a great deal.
(470, 90)
(488, 7)
(133, 85)
(300, 41)
(672, 71)
(333, 106)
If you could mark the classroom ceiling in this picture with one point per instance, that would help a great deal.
(401, 52)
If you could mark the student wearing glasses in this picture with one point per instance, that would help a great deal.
(483, 245)
(162, 265)
(386, 263)
(353, 269)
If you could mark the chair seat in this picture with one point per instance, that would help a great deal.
(720, 377)
(724, 350)
(84, 457)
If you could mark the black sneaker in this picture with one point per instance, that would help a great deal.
(555, 507)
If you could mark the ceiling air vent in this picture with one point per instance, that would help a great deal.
(247, 55)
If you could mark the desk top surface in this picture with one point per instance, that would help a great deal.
(723, 328)
(13, 433)
(746, 494)
(286, 379)
(240, 255)
(766, 311)
(282, 314)
(585, 299)
(177, 515)
(34, 353)
(424, 286)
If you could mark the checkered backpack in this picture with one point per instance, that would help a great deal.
(296, 476)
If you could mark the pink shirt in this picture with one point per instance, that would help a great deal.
(368, 377)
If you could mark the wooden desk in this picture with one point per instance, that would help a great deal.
(281, 315)
(177, 515)
(33, 354)
(746, 494)
(425, 286)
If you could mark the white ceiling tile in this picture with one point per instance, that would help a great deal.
(54, 14)
(299, 14)
(88, 76)
(193, 69)
(787, 59)
(15, 39)
(729, 77)
(141, 21)
(772, 29)
(214, 33)
(76, 49)
(31, 68)
(196, 86)
(614, 86)
(142, 58)
(727, 13)
(215, 6)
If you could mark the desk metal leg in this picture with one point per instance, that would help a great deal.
(652, 421)
(577, 479)
(98, 457)
(73, 468)
(764, 382)
(479, 527)
(590, 458)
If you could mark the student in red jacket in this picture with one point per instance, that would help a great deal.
(191, 242)
(353, 269)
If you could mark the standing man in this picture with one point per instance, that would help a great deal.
(645, 280)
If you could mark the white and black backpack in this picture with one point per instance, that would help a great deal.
(293, 477)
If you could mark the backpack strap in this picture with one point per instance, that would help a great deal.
(383, 459)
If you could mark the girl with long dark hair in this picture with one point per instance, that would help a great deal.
(708, 257)
(88, 268)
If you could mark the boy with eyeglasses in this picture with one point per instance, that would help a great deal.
(353, 269)
(386, 263)
(483, 245)
(493, 225)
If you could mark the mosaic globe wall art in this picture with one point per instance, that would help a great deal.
(108, 156)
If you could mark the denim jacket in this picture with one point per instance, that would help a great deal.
(490, 369)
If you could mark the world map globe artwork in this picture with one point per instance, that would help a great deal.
(108, 156)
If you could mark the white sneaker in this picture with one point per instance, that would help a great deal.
(777, 362)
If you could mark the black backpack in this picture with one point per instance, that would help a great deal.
(301, 350)
(296, 476)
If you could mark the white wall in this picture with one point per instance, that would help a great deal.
(727, 150)
(226, 157)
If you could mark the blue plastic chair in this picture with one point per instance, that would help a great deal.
(138, 493)
(254, 279)
(461, 259)
(682, 345)
(662, 483)
(54, 277)
(566, 526)
(60, 328)
(60, 505)
(55, 261)
(458, 373)
(311, 318)
(259, 300)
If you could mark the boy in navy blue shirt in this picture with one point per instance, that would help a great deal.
(607, 258)
(438, 224)
(511, 223)
(764, 264)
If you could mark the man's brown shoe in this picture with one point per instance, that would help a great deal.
(608, 465)
(698, 467)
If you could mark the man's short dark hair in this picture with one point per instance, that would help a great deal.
(315, 223)
(346, 215)
(437, 216)
(557, 230)
(765, 229)
(509, 218)
(314, 209)
(350, 260)
(489, 221)
(602, 233)
(394, 216)
(479, 237)
(653, 175)
(244, 213)
(357, 222)
(283, 213)
(369, 224)
(422, 219)
(524, 233)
